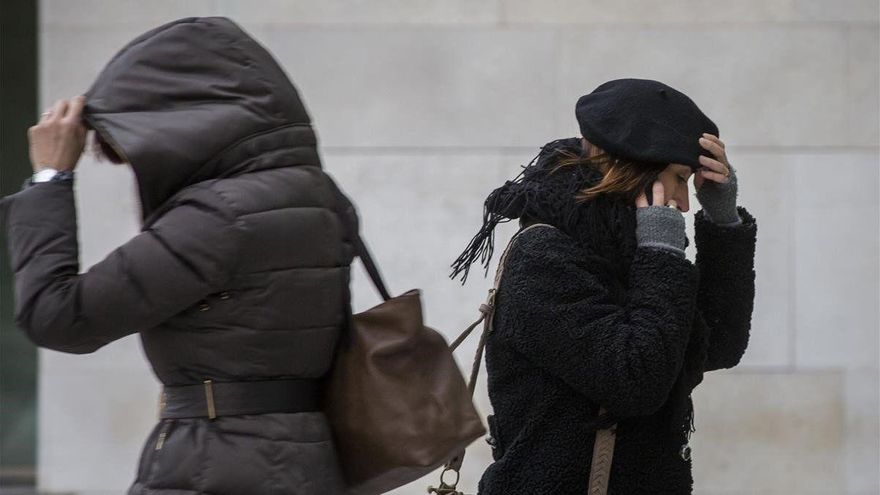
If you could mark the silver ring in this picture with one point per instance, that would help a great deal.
(46, 113)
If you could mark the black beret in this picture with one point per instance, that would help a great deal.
(644, 120)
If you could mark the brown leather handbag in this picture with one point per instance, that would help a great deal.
(396, 400)
(603, 448)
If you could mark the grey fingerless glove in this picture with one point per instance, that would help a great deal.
(661, 227)
(719, 201)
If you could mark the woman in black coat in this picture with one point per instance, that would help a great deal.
(604, 310)
(237, 283)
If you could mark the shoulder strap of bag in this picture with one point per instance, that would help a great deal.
(487, 311)
(487, 308)
(364, 254)
(603, 448)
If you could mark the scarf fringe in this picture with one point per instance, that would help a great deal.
(482, 245)
(529, 193)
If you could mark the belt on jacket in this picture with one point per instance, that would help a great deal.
(211, 399)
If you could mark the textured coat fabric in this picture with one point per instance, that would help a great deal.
(241, 269)
(573, 331)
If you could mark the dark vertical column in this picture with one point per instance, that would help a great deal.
(18, 357)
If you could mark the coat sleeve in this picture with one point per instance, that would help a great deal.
(177, 261)
(726, 260)
(556, 307)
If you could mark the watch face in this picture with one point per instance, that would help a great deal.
(50, 175)
(44, 175)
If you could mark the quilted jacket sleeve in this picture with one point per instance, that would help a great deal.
(178, 260)
(555, 307)
(726, 260)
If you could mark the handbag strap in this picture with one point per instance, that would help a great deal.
(370, 265)
(603, 452)
(487, 312)
(603, 447)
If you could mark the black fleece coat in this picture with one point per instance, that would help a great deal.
(240, 271)
(585, 318)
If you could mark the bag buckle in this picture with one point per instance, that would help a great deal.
(163, 401)
(685, 452)
(209, 399)
(445, 488)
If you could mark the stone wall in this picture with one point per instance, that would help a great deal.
(422, 107)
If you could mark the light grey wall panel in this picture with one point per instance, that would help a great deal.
(426, 87)
(763, 85)
(566, 12)
(769, 433)
(837, 246)
(361, 12)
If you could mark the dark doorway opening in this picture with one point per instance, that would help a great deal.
(18, 356)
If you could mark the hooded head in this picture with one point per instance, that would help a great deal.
(197, 99)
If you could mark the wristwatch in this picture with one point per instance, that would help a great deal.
(49, 174)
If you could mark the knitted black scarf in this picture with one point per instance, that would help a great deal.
(546, 193)
(606, 225)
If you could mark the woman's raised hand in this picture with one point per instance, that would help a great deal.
(58, 139)
(662, 228)
(716, 184)
(717, 169)
(659, 197)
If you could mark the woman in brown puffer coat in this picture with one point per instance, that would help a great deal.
(238, 280)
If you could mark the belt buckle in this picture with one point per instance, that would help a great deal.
(163, 401)
(209, 399)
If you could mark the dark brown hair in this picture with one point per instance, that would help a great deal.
(621, 177)
(104, 150)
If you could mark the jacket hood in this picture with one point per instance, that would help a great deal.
(197, 99)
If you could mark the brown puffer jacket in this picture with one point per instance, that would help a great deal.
(241, 269)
